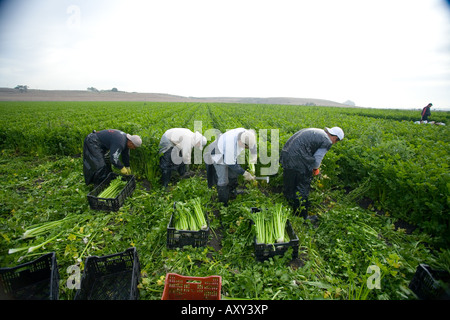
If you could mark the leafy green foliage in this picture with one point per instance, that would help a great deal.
(401, 167)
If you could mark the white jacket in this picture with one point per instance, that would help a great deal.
(182, 139)
(228, 147)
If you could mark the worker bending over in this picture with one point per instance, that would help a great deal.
(106, 147)
(300, 158)
(175, 148)
(222, 166)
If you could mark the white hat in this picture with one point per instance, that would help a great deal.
(199, 138)
(248, 138)
(336, 131)
(136, 140)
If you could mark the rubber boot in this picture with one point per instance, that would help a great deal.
(233, 183)
(224, 194)
(182, 169)
(165, 178)
(211, 175)
(295, 204)
(304, 211)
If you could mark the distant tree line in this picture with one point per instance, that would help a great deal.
(21, 88)
(96, 90)
(24, 88)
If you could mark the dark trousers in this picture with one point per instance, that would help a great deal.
(296, 187)
(211, 175)
(225, 179)
(167, 166)
(96, 165)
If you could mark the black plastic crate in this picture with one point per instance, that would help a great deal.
(430, 284)
(264, 251)
(180, 238)
(35, 280)
(106, 204)
(111, 277)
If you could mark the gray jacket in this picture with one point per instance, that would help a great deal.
(305, 150)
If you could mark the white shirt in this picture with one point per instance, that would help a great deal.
(181, 139)
(228, 147)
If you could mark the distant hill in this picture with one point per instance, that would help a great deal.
(9, 94)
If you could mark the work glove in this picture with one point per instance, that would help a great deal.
(123, 170)
(316, 172)
(248, 176)
(128, 170)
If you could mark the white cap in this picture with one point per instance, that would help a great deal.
(248, 138)
(336, 131)
(199, 140)
(136, 140)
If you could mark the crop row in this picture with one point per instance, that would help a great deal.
(333, 256)
(401, 166)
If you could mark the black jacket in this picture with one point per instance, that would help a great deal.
(426, 113)
(115, 141)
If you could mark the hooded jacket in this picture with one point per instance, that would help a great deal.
(305, 149)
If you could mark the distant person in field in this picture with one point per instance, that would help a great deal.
(301, 157)
(426, 112)
(103, 148)
(222, 167)
(175, 148)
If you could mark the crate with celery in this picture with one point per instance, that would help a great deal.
(110, 195)
(274, 232)
(188, 225)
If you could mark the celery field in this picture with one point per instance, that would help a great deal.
(382, 198)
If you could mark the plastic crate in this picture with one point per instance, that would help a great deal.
(35, 280)
(429, 284)
(180, 238)
(264, 251)
(179, 287)
(107, 204)
(111, 277)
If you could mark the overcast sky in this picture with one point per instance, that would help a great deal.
(377, 53)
